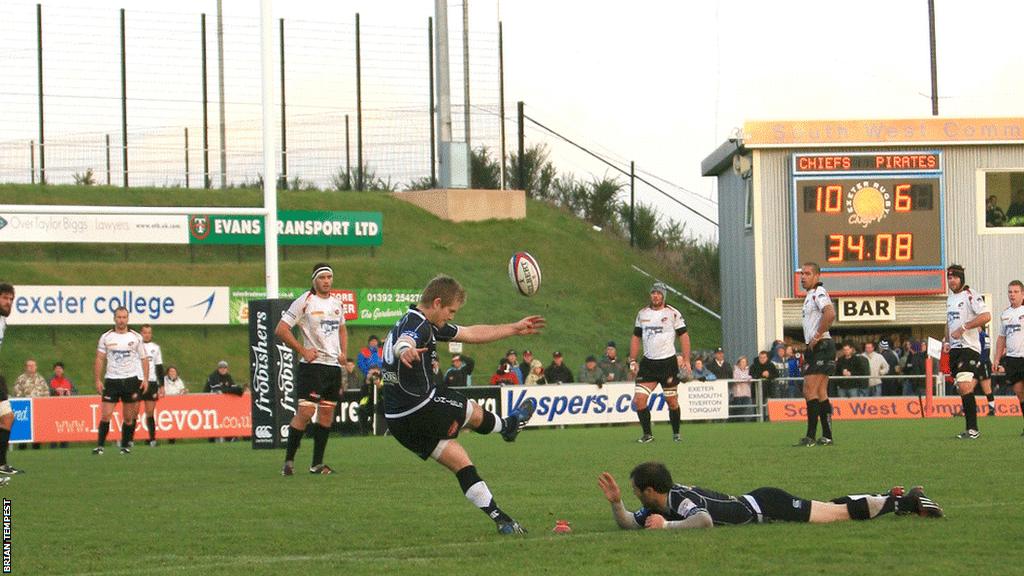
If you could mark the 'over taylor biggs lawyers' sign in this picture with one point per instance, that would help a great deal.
(294, 227)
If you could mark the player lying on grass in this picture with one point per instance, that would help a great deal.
(670, 505)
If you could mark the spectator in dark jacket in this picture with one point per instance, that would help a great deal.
(221, 382)
(850, 363)
(916, 365)
(458, 373)
(614, 369)
(890, 386)
(557, 372)
(764, 369)
(590, 373)
(718, 366)
(525, 365)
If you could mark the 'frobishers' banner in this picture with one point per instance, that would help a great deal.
(612, 403)
(273, 367)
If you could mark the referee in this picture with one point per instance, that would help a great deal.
(324, 341)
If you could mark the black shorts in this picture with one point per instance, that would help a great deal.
(151, 392)
(662, 371)
(1014, 368)
(780, 506)
(318, 382)
(967, 360)
(822, 358)
(121, 390)
(440, 419)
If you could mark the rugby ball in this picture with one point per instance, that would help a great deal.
(524, 272)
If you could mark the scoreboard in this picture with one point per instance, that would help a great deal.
(873, 221)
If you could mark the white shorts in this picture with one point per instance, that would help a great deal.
(5, 408)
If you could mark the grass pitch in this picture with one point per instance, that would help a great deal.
(200, 508)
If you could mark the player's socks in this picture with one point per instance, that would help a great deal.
(825, 414)
(104, 430)
(991, 397)
(970, 410)
(5, 440)
(294, 439)
(867, 506)
(151, 424)
(320, 435)
(491, 423)
(479, 494)
(127, 433)
(812, 418)
(673, 417)
(645, 420)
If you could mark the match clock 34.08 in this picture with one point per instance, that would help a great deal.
(868, 222)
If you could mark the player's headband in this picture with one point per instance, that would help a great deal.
(956, 271)
(322, 270)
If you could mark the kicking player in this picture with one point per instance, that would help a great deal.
(6, 412)
(426, 420)
(156, 380)
(670, 505)
(966, 313)
(818, 315)
(323, 351)
(1011, 341)
(122, 350)
(658, 324)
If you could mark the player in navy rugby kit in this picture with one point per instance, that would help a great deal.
(425, 419)
(670, 505)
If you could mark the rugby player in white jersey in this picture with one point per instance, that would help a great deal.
(1010, 343)
(818, 315)
(6, 412)
(323, 350)
(658, 325)
(156, 380)
(122, 350)
(966, 314)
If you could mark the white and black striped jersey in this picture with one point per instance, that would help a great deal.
(406, 390)
(815, 302)
(1011, 321)
(155, 357)
(685, 501)
(320, 320)
(124, 352)
(961, 308)
(659, 329)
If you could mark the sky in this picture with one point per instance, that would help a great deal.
(664, 83)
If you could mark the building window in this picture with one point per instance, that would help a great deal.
(1000, 201)
(748, 215)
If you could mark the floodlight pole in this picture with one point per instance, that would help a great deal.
(269, 169)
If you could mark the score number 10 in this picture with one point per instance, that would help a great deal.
(877, 247)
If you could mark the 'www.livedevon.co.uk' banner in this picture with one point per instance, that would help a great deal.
(294, 228)
(362, 306)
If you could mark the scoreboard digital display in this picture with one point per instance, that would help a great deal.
(868, 213)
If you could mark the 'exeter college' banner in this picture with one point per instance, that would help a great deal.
(63, 305)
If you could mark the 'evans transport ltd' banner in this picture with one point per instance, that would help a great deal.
(63, 305)
(294, 228)
(613, 402)
(362, 306)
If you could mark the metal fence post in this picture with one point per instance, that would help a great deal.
(124, 106)
(284, 122)
(359, 109)
(186, 159)
(760, 400)
(42, 137)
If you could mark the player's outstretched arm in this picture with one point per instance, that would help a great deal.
(623, 517)
(480, 333)
(700, 519)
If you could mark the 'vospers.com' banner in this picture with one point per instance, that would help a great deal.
(793, 410)
(77, 418)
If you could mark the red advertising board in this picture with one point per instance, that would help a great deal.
(77, 418)
(886, 407)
